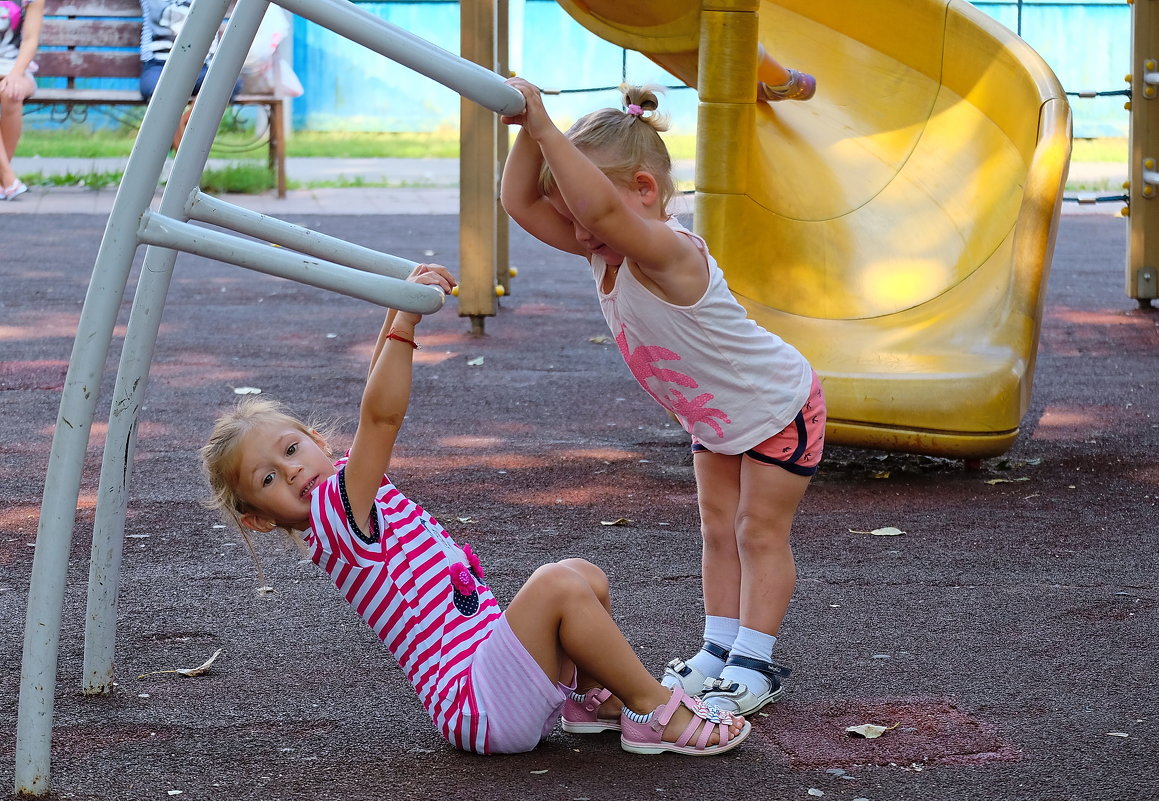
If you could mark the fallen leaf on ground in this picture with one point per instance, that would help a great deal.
(993, 481)
(621, 521)
(200, 670)
(600, 340)
(246, 391)
(870, 731)
(888, 531)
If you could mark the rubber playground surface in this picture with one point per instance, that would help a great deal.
(1008, 638)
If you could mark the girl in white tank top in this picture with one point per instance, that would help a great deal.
(750, 401)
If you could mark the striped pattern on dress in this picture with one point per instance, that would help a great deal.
(401, 587)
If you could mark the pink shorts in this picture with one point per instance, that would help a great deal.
(799, 445)
(518, 704)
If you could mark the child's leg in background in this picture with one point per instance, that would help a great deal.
(12, 114)
(769, 70)
(777, 82)
(561, 616)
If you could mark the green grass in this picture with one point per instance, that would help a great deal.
(80, 142)
(244, 179)
(1093, 150)
(90, 180)
(249, 173)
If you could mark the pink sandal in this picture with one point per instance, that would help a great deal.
(648, 738)
(581, 713)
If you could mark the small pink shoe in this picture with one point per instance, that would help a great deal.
(801, 86)
(648, 738)
(581, 713)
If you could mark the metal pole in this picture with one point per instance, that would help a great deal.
(166, 232)
(78, 401)
(137, 351)
(210, 209)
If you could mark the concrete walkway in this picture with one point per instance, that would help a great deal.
(412, 186)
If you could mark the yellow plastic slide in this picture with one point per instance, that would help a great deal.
(898, 227)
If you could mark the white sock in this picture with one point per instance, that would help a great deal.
(721, 630)
(755, 645)
(718, 631)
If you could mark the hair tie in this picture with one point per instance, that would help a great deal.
(634, 110)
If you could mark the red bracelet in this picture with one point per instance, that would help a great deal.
(392, 335)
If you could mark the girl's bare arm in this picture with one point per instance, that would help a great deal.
(519, 192)
(385, 398)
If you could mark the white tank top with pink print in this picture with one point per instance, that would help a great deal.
(729, 382)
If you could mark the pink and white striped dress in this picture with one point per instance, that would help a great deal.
(398, 579)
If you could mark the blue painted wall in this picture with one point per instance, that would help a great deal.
(1088, 45)
(1086, 42)
(351, 88)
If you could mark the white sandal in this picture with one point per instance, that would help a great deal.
(679, 673)
(17, 189)
(737, 697)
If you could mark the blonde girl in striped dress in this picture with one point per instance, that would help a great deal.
(493, 681)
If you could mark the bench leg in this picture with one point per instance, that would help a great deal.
(278, 144)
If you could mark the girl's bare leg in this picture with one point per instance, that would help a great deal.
(12, 118)
(563, 623)
(746, 512)
(769, 497)
(718, 494)
(769, 70)
(7, 174)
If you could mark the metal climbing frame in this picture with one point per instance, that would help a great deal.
(317, 259)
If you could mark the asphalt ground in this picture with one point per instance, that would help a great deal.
(1009, 636)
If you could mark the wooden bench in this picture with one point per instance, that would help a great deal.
(102, 39)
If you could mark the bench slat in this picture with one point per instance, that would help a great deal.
(90, 33)
(89, 64)
(93, 8)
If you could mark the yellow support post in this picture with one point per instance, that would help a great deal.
(502, 145)
(726, 83)
(1143, 250)
(478, 176)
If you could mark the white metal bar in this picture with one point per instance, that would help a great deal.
(130, 224)
(216, 211)
(137, 355)
(383, 290)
